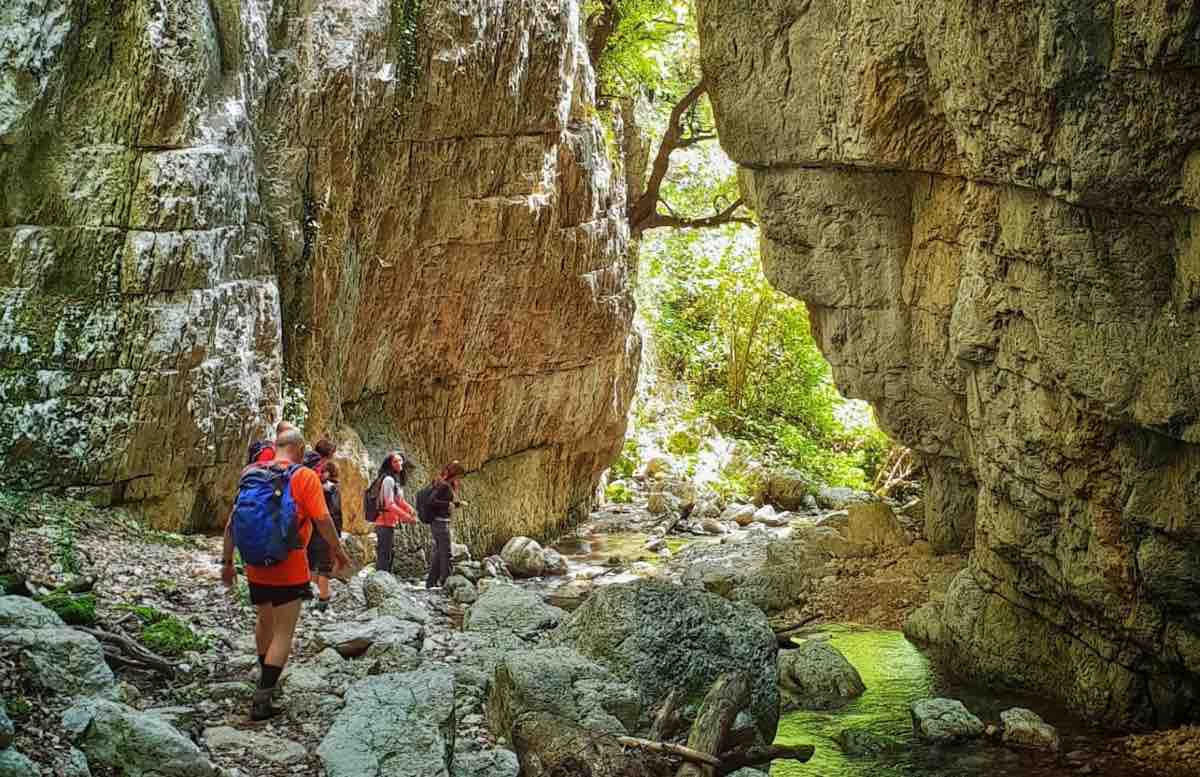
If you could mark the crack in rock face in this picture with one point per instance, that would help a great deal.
(203, 196)
(992, 216)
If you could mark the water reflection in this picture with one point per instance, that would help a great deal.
(896, 674)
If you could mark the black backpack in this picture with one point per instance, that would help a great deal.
(424, 508)
(371, 500)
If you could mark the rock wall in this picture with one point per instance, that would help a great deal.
(993, 213)
(408, 213)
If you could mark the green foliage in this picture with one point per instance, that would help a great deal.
(406, 21)
(65, 549)
(172, 637)
(747, 355)
(682, 443)
(146, 614)
(74, 610)
(628, 462)
(637, 54)
(618, 492)
(295, 403)
(11, 584)
(19, 707)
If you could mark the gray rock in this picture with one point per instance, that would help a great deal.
(746, 771)
(390, 658)
(830, 542)
(495, 567)
(76, 765)
(742, 515)
(711, 526)
(875, 525)
(234, 690)
(268, 747)
(659, 637)
(403, 607)
(924, 625)
(944, 720)
(19, 612)
(1024, 728)
(770, 574)
(662, 503)
(60, 659)
(471, 570)
(809, 503)
(786, 488)
(383, 591)
(352, 639)
(525, 557)
(815, 675)
(486, 763)
(861, 741)
(7, 729)
(133, 743)
(839, 498)
(459, 552)
(561, 682)
(13, 764)
(460, 589)
(504, 607)
(181, 717)
(554, 562)
(393, 725)
(838, 519)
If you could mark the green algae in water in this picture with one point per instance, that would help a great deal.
(896, 674)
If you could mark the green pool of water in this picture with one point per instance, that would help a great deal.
(896, 674)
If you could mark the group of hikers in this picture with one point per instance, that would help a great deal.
(286, 525)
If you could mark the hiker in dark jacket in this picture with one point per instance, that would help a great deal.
(442, 501)
(319, 560)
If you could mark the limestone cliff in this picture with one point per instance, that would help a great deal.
(992, 211)
(407, 210)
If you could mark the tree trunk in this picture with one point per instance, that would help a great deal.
(728, 695)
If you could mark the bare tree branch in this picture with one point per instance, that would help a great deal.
(726, 216)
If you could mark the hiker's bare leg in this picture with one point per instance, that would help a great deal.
(323, 586)
(283, 622)
(263, 628)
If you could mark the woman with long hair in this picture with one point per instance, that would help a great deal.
(443, 499)
(393, 508)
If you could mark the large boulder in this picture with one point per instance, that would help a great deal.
(1025, 728)
(944, 720)
(354, 638)
(273, 749)
(58, 658)
(13, 764)
(815, 675)
(770, 574)
(786, 488)
(133, 743)
(660, 637)
(873, 524)
(496, 762)
(504, 607)
(561, 682)
(19, 612)
(829, 541)
(524, 557)
(840, 497)
(550, 746)
(393, 725)
(742, 515)
(555, 563)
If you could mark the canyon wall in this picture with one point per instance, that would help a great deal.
(409, 213)
(992, 211)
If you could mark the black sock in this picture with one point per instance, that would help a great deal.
(270, 676)
(262, 659)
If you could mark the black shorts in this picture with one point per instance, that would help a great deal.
(278, 595)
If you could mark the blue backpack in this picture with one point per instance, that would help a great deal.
(264, 516)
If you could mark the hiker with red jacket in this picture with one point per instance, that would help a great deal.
(393, 508)
(443, 498)
(277, 509)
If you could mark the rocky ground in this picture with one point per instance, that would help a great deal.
(471, 661)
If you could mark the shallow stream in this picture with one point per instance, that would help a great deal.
(896, 673)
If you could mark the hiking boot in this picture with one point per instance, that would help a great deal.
(322, 605)
(260, 707)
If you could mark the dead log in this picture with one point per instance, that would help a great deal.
(784, 636)
(132, 649)
(668, 748)
(667, 721)
(727, 696)
(762, 754)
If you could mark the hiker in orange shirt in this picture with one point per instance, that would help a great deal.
(276, 590)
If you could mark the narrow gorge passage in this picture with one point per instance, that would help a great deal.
(822, 376)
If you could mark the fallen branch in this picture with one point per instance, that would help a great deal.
(667, 748)
(784, 636)
(763, 754)
(135, 651)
